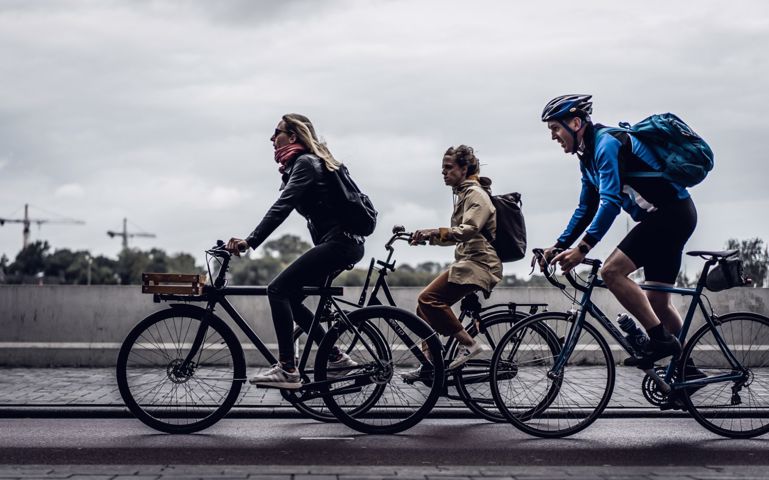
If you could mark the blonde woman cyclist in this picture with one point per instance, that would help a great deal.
(306, 166)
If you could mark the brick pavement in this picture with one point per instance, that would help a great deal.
(442, 472)
(96, 387)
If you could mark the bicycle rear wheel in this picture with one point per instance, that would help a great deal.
(472, 380)
(373, 398)
(731, 408)
(166, 392)
(309, 402)
(543, 404)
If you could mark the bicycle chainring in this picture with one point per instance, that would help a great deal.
(651, 391)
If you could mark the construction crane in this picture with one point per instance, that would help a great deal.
(125, 234)
(26, 221)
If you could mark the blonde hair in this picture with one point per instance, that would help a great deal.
(302, 127)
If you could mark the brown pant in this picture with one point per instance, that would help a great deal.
(436, 300)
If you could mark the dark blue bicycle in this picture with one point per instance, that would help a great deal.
(721, 377)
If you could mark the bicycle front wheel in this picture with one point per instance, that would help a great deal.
(169, 387)
(737, 407)
(472, 380)
(373, 397)
(543, 402)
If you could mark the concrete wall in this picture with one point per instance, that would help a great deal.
(57, 325)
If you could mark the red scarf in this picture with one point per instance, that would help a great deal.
(287, 153)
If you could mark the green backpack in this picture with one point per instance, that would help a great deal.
(685, 156)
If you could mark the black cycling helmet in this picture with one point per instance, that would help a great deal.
(567, 106)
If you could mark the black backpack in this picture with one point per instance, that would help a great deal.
(510, 242)
(356, 212)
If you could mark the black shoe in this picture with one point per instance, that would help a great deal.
(655, 350)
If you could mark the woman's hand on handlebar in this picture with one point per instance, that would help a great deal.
(236, 246)
(420, 237)
(545, 259)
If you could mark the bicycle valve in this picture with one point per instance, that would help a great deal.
(664, 387)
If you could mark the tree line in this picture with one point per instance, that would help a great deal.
(38, 264)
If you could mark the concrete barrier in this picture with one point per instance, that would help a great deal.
(69, 325)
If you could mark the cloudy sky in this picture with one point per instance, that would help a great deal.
(161, 111)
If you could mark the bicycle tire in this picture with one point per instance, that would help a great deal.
(734, 409)
(179, 400)
(393, 406)
(472, 381)
(552, 407)
(316, 408)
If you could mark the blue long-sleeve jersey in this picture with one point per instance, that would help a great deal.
(602, 197)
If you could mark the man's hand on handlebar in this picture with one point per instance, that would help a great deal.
(236, 246)
(420, 237)
(568, 259)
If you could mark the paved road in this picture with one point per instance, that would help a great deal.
(434, 442)
(289, 449)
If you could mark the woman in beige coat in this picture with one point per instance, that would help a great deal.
(476, 264)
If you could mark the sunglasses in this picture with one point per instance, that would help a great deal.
(279, 131)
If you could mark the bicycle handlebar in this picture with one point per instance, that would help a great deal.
(400, 233)
(548, 270)
(539, 253)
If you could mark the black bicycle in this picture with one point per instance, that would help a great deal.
(721, 378)
(181, 369)
(491, 322)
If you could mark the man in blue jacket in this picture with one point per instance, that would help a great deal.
(664, 211)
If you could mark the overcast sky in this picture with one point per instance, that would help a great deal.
(162, 111)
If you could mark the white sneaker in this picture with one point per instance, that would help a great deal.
(276, 377)
(419, 373)
(466, 353)
(340, 367)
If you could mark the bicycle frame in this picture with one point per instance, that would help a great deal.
(586, 306)
(214, 296)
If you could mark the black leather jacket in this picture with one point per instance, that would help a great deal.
(308, 188)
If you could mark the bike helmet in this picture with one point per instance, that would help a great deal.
(568, 106)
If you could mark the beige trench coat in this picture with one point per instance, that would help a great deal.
(476, 261)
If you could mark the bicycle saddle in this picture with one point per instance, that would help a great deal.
(719, 254)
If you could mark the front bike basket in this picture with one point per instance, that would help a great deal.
(173, 283)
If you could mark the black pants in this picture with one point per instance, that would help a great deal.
(285, 291)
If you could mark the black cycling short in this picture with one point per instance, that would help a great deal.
(657, 242)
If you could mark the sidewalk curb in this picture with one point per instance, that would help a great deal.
(116, 411)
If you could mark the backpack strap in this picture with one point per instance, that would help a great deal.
(623, 133)
(484, 231)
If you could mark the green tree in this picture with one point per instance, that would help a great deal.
(31, 259)
(755, 258)
(286, 248)
(277, 255)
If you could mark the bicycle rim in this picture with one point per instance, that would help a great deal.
(472, 380)
(374, 398)
(562, 405)
(164, 393)
(732, 408)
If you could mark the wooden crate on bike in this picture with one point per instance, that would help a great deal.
(173, 283)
